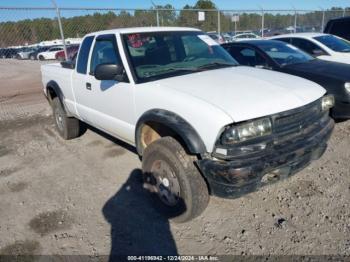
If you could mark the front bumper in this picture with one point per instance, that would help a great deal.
(234, 178)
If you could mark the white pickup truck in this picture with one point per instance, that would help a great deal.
(201, 124)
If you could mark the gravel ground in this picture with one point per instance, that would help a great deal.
(85, 196)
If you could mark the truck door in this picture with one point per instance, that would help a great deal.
(107, 104)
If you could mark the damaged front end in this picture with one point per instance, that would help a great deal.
(292, 140)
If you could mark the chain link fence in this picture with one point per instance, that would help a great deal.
(26, 28)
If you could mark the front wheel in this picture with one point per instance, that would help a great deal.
(41, 58)
(179, 190)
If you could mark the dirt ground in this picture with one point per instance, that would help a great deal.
(84, 196)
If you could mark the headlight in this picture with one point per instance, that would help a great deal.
(347, 87)
(327, 102)
(239, 133)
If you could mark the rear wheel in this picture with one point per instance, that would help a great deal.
(178, 189)
(41, 57)
(67, 127)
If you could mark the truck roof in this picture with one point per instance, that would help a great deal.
(143, 30)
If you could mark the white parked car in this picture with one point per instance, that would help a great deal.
(50, 54)
(200, 122)
(245, 36)
(323, 46)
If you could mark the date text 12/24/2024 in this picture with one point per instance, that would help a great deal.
(172, 258)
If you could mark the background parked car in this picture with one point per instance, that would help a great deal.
(24, 53)
(71, 51)
(217, 37)
(34, 54)
(50, 54)
(244, 36)
(323, 46)
(8, 53)
(285, 58)
(339, 27)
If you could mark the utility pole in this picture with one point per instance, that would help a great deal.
(295, 21)
(262, 21)
(323, 19)
(219, 22)
(157, 12)
(61, 29)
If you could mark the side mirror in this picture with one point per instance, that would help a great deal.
(68, 64)
(109, 72)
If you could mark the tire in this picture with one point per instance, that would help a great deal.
(67, 127)
(166, 166)
(32, 57)
(41, 58)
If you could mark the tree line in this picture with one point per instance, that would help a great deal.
(30, 31)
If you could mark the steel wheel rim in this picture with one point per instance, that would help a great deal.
(166, 183)
(59, 119)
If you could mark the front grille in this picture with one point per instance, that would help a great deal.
(290, 125)
(293, 120)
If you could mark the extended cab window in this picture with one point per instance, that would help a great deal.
(84, 55)
(156, 55)
(104, 52)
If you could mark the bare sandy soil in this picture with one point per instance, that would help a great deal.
(85, 196)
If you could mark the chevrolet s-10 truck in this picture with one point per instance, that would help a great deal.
(202, 124)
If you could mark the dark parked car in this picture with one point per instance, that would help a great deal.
(9, 52)
(283, 57)
(33, 55)
(339, 27)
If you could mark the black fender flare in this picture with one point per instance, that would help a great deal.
(177, 124)
(56, 88)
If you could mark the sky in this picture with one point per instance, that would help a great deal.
(222, 4)
(15, 15)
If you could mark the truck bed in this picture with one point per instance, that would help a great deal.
(63, 78)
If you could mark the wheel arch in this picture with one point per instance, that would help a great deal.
(53, 90)
(157, 123)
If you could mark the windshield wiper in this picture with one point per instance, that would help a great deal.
(171, 69)
(217, 64)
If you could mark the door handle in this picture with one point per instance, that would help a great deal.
(88, 86)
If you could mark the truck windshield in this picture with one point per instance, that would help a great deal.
(158, 55)
(334, 43)
(284, 54)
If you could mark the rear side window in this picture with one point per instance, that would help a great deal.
(84, 55)
(247, 56)
(308, 46)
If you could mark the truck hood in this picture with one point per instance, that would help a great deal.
(246, 93)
